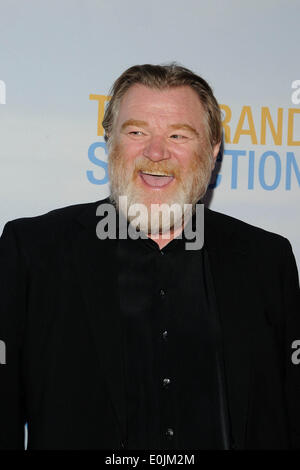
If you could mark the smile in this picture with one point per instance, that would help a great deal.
(156, 180)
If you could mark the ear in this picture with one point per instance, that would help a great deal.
(216, 149)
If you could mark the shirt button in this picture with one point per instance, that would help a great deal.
(165, 335)
(162, 252)
(162, 293)
(169, 433)
(166, 382)
(123, 444)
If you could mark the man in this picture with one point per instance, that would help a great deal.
(137, 342)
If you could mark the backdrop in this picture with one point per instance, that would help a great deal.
(59, 59)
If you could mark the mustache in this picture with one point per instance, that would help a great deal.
(117, 162)
(142, 164)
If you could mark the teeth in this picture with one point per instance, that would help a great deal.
(158, 173)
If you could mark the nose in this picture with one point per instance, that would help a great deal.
(156, 149)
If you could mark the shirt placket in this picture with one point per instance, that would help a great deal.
(166, 380)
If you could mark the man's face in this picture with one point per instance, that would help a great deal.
(159, 152)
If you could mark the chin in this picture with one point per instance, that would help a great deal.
(148, 196)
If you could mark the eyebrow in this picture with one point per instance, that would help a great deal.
(186, 127)
(138, 123)
(134, 122)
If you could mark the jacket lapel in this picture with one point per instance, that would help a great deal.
(231, 274)
(96, 266)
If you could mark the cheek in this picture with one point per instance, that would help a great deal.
(130, 149)
(185, 158)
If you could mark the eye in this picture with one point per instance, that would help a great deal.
(177, 137)
(136, 133)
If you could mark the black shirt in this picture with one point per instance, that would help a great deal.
(169, 347)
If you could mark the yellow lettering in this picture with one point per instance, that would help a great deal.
(225, 121)
(290, 137)
(266, 116)
(102, 99)
(246, 111)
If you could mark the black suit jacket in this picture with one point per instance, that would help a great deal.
(60, 322)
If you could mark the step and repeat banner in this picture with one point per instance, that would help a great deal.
(59, 59)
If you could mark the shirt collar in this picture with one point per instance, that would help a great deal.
(176, 243)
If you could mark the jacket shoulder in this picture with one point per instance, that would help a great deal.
(50, 225)
(230, 227)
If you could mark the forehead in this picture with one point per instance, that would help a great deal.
(141, 102)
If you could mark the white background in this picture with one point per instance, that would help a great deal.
(54, 55)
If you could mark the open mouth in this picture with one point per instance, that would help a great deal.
(156, 179)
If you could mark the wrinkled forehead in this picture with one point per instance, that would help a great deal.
(144, 103)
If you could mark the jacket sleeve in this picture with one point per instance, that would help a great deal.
(292, 335)
(12, 315)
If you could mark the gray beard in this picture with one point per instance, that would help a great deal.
(158, 217)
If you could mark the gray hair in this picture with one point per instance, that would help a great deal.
(161, 77)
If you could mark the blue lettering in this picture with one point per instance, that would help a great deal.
(261, 173)
(235, 154)
(92, 157)
(251, 170)
(291, 161)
